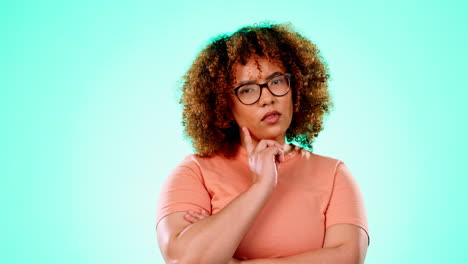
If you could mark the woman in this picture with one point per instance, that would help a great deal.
(249, 195)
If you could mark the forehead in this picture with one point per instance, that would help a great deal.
(256, 68)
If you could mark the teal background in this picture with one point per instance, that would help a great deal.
(91, 124)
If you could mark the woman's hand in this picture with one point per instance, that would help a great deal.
(193, 217)
(264, 159)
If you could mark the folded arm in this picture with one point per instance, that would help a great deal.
(214, 240)
(201, 242)
(344, 244)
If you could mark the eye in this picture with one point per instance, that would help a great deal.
(246, 89)
(277, 80)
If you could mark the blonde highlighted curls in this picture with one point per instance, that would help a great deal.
(208, 84)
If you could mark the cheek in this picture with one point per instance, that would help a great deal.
(237, 110)
(239, 114)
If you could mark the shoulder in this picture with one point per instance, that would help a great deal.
(319, 161)
(199, 163)
(191, 170)
(195, 159)
(330, 168)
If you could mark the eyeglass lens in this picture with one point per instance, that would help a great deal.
(250, 93)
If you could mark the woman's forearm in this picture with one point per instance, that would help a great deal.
(214, 239)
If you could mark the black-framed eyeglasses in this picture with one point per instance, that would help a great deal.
(250, 93)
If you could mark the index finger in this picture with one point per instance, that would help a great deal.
(248, 140)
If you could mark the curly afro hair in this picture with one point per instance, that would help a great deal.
(208, 84)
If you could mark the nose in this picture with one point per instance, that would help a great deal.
(266, 97)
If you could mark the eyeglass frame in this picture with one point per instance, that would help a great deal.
(287, 75)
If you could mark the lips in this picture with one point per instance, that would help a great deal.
(270, 114)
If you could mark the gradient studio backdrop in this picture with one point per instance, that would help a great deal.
(91, 122)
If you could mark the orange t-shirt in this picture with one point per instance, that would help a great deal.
(313, 192)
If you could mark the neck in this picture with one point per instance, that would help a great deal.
(281, 140)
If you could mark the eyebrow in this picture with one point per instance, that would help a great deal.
(254, 82)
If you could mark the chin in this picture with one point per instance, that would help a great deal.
(272, 133)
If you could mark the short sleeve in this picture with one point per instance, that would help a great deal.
(183, 190)
(346, 204)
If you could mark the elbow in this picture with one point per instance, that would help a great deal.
(351, 255)
(192, 259)
(171, 260)
(176, 253)
(178, 259)
(184, 258)
(357, 258)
